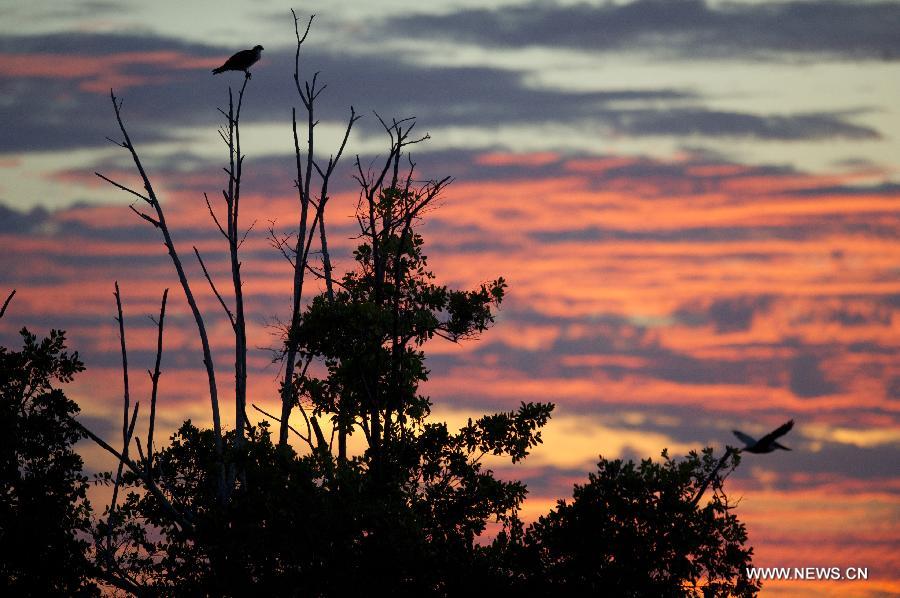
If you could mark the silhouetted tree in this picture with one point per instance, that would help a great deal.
(215, 513)
(633, 530)
(44, 513)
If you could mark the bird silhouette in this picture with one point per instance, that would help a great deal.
(767, 443)
(241, 61)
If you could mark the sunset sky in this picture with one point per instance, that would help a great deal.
(696, 206)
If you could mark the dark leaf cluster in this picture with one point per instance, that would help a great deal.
(635, 528)
(45, 517)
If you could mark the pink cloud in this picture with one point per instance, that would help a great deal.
(98, 74)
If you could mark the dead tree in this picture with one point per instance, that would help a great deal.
(234, 237)
(159, 222)
(231, 135)
(392, 176)
(298, 252)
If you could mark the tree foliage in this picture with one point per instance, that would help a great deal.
(44, 514)
(637, 528)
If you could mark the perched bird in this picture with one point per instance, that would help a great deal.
(241, 61)
(767, 443)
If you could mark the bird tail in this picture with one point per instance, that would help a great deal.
(218, 70)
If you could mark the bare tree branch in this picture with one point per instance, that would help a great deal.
(728, 453)
(121, 322)
(154, 377)
(126, 441)
(213, 214)
(6, 303)
(321, 276)
(290, 427)
(332, 163)
(127, 430)
(213, 287)
(292, 342)
(160, 223)
(137, 443)
(144, 216)
(179, 518)
(282, 243)
(123, 187)
(232, 196)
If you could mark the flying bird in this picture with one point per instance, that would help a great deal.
(767, 443)
(241, 61)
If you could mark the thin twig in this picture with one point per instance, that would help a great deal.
(112, 503)
(123, 187)
(246, 232)
(155, 223)
(154, 377)
(126, 398)
(728, 453)
(6, 303)
(290, 427)
(214, 289)
(179, 518)
(213, 214)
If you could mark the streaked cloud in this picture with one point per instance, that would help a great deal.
(687, 28)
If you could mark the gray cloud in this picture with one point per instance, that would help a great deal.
(63, 11)
(15, 221)
(893, 390)
(875, 314)
(688, 235)
(72, 43)
(878, 190)
(807, 380)
(714, 123)
(60, 113)
(733, 314)
(692, 28)
(852, 462)
(53, 113)
(614, 336)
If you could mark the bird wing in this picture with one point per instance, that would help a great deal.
(240, 61)
(778, 432)
(749, 441)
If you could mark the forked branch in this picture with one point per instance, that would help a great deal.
(299, 255)
(160, 222)
(709, 478)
